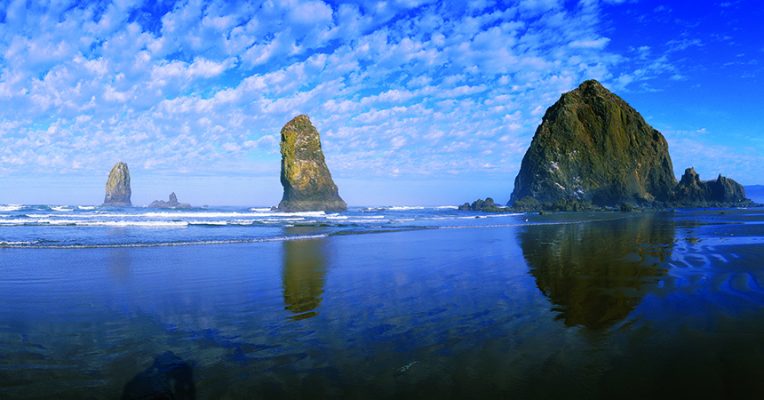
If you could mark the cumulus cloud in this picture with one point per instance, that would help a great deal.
(398, 87)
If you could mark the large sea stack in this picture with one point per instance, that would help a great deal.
(308, 185)
(118, 187)
(593, 147)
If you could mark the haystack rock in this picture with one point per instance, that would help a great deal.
(593, 147)
(118, 187)
(307, 182)
(172, 203)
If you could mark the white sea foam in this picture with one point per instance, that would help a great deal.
(447, 207)
(75, 222)
(86, 208)
(36, 245)
(61, 208)
(10, 207)
(405, 208)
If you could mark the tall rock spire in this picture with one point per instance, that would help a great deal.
(118, 187)
(307, 182)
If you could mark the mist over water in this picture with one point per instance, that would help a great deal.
(420, 303)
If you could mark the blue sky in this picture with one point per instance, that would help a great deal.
(417, 101)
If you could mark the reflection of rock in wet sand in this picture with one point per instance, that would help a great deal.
(304, 274)
(169, 377)
(597, 272)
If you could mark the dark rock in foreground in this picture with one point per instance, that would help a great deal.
(691, 191)
(118, 187)
(172, 203)
(307, 182)
(486, 205)
(169, 377)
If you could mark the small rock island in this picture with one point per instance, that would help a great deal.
(307, 182)
(487, 205)
(593, 150)
(118, 187)
(172, 203)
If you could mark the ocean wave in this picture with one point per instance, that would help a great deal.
(41, 245)
(183, 215)
(75, 222)
(86, 208)
(447, 207)
(10, 207)
(405, 208)
(61, 208)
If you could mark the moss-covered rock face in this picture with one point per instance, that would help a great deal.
(118, 187)
(307, 182)
(592, 147)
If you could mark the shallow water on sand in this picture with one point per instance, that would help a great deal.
(605, 305)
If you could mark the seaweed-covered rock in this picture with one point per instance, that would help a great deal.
(593, 147)
(118, 187)
(307, 182)
(487, 205)
(172, 203)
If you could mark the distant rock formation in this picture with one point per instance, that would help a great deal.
(118, 187)
(307, 182)
(593, 150)
(592, 147)
(172, 203)
(691, 191)
(487, 205)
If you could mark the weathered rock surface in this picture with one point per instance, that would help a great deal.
(593, 148)
(118, 187)
(307, 182)
(172, 203)
(487, 205)
(691, 191)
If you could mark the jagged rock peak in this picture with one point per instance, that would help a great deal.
(723, 191)
(594, 148)
(118, 186)
(307, 182)
(172, 203)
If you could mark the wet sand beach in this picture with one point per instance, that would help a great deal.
(608, 305)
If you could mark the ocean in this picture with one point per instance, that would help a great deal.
(379, 302)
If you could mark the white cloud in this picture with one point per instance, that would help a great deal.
(208, 85)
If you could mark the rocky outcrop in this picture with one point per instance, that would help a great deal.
(308, 185)
(722, 192)
(594, 148)
(487, 205)
(172, 203)
(118, 187)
